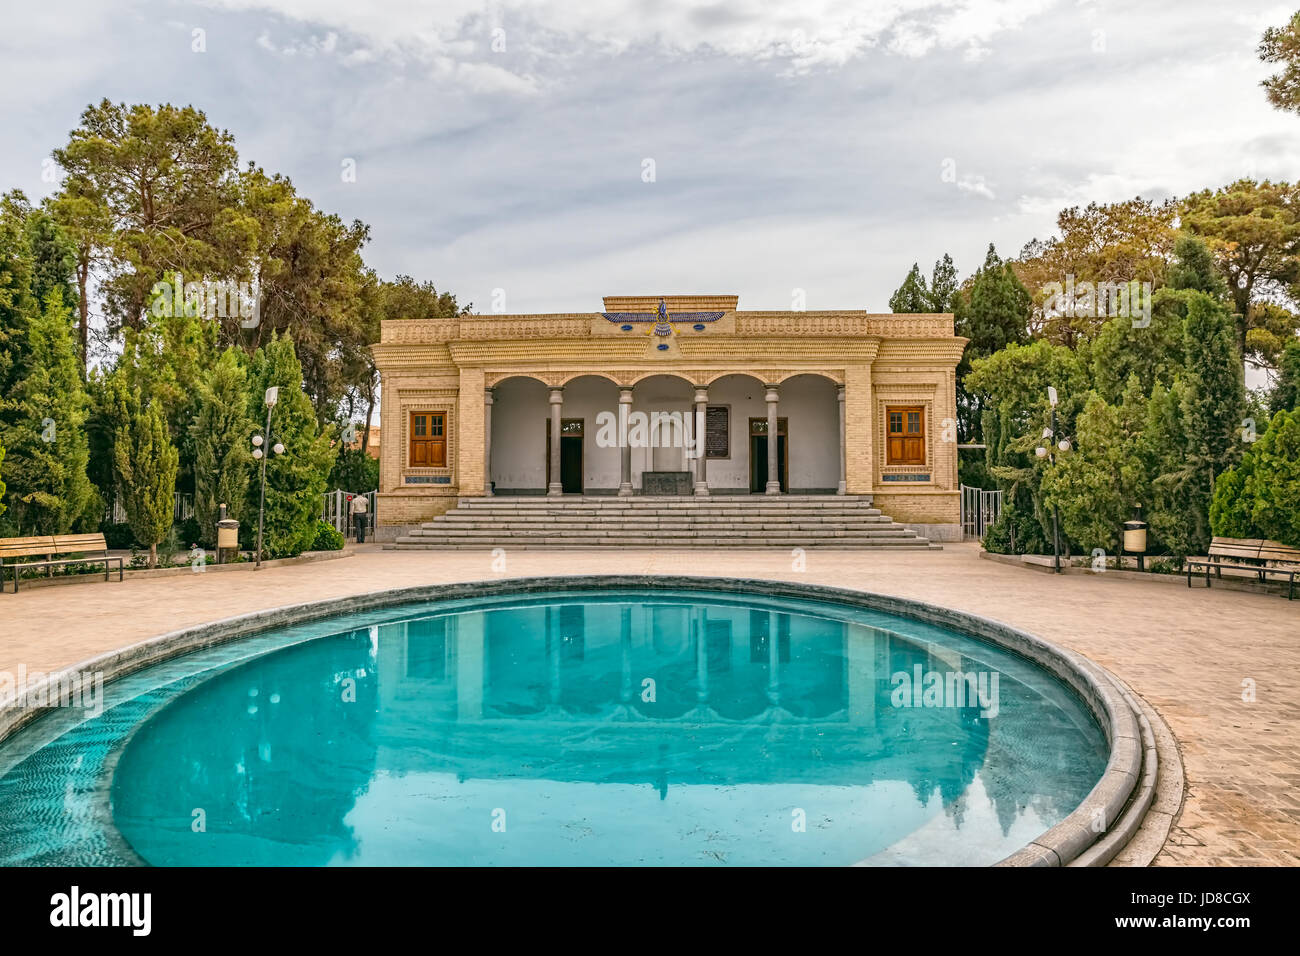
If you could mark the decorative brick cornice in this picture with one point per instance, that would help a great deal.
(781, 324)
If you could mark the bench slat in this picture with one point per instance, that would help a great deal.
(80, 542)
(1279, 552)
(25, 547)
(1242, 548)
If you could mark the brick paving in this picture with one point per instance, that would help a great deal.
(1191, 654)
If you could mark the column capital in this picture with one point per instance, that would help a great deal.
(625, 395)
(557, 395)
(701, 394)
(773, 392)
(488, 397)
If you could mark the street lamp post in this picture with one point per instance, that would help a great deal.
(1046, 451)
(272, 396)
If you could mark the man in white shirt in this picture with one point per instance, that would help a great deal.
(360, 516)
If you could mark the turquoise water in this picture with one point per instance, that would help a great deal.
(597, 728)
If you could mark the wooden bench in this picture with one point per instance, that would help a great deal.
(48, 546)
(1256, 555)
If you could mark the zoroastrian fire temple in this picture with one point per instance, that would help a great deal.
(861, 404)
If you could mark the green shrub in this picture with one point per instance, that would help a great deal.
(1020, 525)
(118, 536)
(327, 538)
(1260, 498)
(191, 534)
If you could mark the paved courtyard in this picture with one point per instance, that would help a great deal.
(1189, 653)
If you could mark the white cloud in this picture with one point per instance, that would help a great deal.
(816, 33)
(976, 185)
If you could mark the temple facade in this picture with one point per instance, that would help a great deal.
(670, 395)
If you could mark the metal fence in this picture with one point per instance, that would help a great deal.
(979, 509)
(336, 510)
(182, 509)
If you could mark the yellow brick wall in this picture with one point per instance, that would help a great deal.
(405, 508)
(920, 506)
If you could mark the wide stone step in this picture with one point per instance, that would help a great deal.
(662, 534)
(686, 504)
(607, 522)
(455, 517)
(616, 527)
(674, 512)
(657, 498)
(481, 544)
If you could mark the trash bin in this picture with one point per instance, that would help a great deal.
(227, 537)
(1135, 540)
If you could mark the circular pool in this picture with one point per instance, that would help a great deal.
(580, 725)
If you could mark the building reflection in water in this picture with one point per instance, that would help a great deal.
(719, 706)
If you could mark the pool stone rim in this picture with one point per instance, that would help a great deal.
(1118, 800)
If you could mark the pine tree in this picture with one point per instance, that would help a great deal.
(146, 464)
(220, 433)
(912, 295)
(943, 285)
(295, 480)
(44, 427)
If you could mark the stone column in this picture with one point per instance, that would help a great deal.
(844, 453)
(701, 436)
(556, 486)
(773, 475)
(624, 449)
(487, 441)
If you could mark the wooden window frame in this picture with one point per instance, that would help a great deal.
(436, 444)
(905, 447)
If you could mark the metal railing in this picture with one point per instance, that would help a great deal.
(182, 509)
(979, 509)
(336, 508)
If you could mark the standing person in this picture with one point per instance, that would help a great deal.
(360, 509)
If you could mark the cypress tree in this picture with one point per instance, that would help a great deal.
(44, 427)
(221, 432)
(295, 480)
(1193, 268)
(912, 295)
(943, 285)
(146, 463)
(1213, 403)
(1285, 396)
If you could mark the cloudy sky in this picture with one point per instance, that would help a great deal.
(795, 145)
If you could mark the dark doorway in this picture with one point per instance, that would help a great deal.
(571, 430)
(758, 454)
